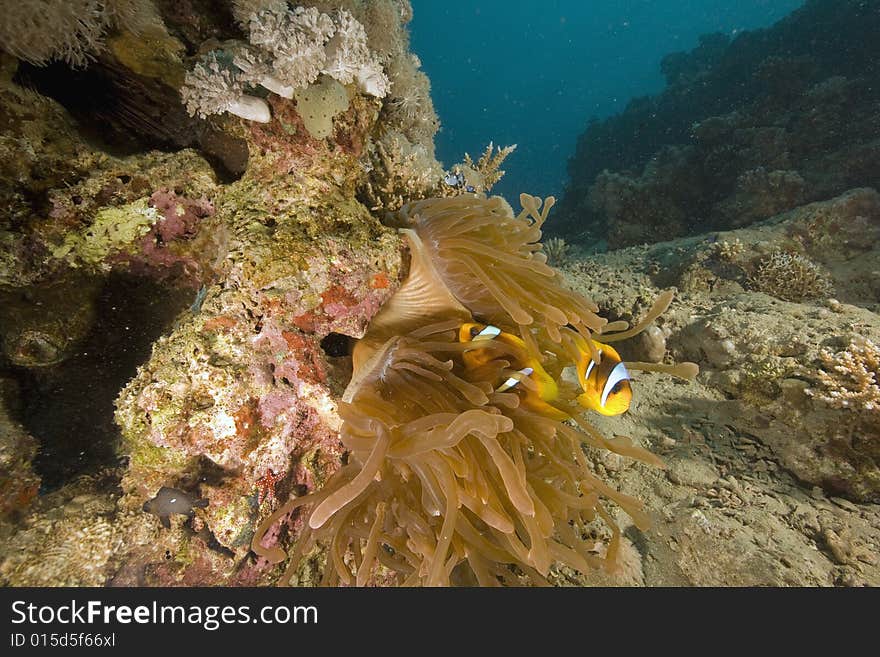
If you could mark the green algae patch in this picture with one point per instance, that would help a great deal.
(113, 230)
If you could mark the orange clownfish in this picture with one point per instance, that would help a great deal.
(528, 366)
(606, 385)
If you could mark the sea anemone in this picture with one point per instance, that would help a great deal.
(453, 479)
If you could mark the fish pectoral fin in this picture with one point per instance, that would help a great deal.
(584, 400)
(166, 521)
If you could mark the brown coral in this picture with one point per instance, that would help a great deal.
(487, 170)
(790, 277)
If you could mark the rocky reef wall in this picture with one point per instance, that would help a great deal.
(218, 171)
(745, 129)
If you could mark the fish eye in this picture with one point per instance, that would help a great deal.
(617, 387)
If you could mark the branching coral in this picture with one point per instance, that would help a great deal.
(488, 167)
(790, 277)
(349, 59)
(556, 250)
(213, 88)
(729, 251)
(400, 170)
(453, 478)
(294, 40)
(288, 50)
(849, 378)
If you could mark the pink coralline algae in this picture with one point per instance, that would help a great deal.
(171, 249)
(347, 303)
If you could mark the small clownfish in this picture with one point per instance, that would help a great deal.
(606, 385)
(528, 366)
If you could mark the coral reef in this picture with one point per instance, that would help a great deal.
(236, 405)
(790, 277)
(276, 315)
(769, 358)
(72, 30)
(287, 50)
(408, 171)
(849, 378)
(767, 471)
(452, 478)
(746, 129)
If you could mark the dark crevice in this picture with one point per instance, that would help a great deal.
(123, 113)
(69, 407)
(336, 345)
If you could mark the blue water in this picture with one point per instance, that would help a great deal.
(510, 72)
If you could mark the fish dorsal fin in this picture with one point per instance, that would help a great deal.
(423, 298)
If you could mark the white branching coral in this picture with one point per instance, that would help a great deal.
(348, 57)
(288, 50)
(481, 176)
(212, 88)
(256, 71)
(849, 378)
(294, 41)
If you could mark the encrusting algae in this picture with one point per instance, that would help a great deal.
(465, 435)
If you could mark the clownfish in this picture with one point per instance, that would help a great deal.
(528, 366)
(606, 385)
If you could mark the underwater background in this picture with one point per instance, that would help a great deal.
(278, 305)
(535, 78)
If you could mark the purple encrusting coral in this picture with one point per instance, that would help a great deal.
(171, 249)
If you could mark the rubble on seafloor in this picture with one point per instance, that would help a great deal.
(769, 470)
(251, 255)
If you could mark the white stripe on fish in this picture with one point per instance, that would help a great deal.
(617, 375)
(514, 381)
